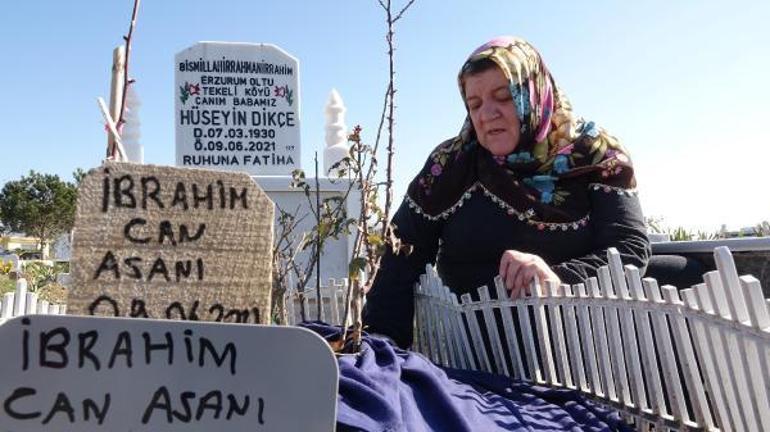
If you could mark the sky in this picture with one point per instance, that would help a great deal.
(682, 84)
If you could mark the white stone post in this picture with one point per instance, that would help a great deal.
(131, 128)
(336, 131)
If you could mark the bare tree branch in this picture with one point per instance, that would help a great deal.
(126, 81)
(391, 121)
(320, 240)
(398, 16)
(382, 123)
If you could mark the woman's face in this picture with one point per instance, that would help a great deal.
(492, 111)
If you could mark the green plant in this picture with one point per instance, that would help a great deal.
(54, 293)
(762, 229)
(705, 235)
(680, 234)
(39, 274)
(6, 284)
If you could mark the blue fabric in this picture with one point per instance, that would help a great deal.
(386, 389)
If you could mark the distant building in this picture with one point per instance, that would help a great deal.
(21, 243)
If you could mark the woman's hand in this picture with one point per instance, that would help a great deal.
(518, 269)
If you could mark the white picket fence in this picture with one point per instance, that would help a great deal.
(332, 304)
(22, 302)
(695, 362)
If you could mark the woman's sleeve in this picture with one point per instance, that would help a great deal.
(389, 308)
(616, 221)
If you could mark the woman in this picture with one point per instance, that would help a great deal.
(526, 190)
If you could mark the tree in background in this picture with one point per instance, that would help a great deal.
(39, 205)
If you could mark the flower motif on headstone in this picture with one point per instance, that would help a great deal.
(284, 92)
(188, 90)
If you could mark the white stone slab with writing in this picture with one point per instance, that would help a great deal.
(92, 374)
(237, 108)
(165, 242)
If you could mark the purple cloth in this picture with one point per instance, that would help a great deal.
(387, 389)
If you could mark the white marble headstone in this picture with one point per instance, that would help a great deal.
(237, 108)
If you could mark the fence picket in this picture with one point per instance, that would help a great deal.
(43, 307)
(432, 325)
(730, 284)
(525, 324)
(306, 305)
(573, 342)
(460, 327)
(510, 331)
(557, 330)
(7, 311)
(493, 332)
(665, 349)
(420, 334)
(453, 336)
(733, 352)
(543, 335)
(31, 304)
(432, 338)
(705, 296)
(587, 339)
(20, 298)
(628, 329)
(756, 355)
(602, 345)
(647, 346)
(473, 324)
(442, 329)
(687, 361)
(617, 353)
(334, 310)
(706, 359)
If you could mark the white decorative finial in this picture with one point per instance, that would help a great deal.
(336, 131)
(131, 128)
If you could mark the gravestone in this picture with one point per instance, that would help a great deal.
(237, 108)
(177, 243)
(65, 373)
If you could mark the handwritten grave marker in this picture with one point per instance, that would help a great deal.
(66, 373)
(164, 242)
(237, 108)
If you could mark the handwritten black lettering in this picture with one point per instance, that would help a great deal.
(207, 347)
(62, 405)
(20, 393)
(127, 231)
(94, 306)
(138, 309)
(150, 193)
(149, 347)
(59, 348)
(89, 406)
(122, 348)
(86, 342)
(123, 192)
(109, 263)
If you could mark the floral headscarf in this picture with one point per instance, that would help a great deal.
(545, 180)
